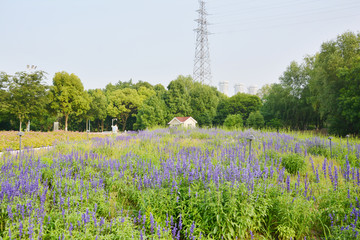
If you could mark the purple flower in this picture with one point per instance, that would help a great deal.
(192, 228)
(152, 223)
(71, 228)
(141, 235)
(324, 168)
(287, 184)
(10, 212)
(20, 229)
(317, 176)
(159, 232)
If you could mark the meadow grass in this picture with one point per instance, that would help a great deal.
(184, 184)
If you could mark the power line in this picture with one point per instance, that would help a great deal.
(285, 18)
(240, 12)
(264, 7)
(267, 27)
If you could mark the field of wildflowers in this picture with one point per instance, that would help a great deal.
(184, 184)
(9, 140)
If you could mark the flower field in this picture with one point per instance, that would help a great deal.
(184, 184)
(9, 140)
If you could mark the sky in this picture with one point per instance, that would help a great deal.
(251, 42)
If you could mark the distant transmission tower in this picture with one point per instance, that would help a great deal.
(202, 71)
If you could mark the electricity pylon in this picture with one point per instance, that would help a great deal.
(202, 71)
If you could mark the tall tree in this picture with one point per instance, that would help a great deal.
(325, 84)
(240, 103)
(152, 113)
(203, 102)
(98, 106)
(177, 97)
(123, 103)
(27, 95)
(4, 95)
(68, 96)
(349, 99)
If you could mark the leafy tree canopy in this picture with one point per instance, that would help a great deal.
(68, 96)
(240, 103)
(27, 95)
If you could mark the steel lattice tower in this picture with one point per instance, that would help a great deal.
(202, 71)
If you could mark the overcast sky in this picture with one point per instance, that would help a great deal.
(102, 42)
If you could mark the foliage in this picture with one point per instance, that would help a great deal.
(325, 83)
(349, 98)
(190, 184)
(177, 98)
(275, 123)
(68, 96)
(320, 92)
(233, 121)
(240, 103)
(152, 113)
(293, 163)
(26, 95)
(4, 95)
(289, 100)
(255, 120)
(10, 140)
(124, 103)
(98, 106)
(204, 101)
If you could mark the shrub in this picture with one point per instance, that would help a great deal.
(233, 121)
(255, 120)
(293, 163)
(275, 123)
(319, 150)
(270, 154)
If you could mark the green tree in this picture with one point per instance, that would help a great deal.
(326, 83)
(4, 97)
(275, 123)
(27, 95)
(152, 113)
(233, 121)
(203, 102)
(349, 99)
(98, 106)
(290, 101)
(177, 98)
(68, 96)
(160, 90)
(255, 120)
(123, 103)
(240, 103)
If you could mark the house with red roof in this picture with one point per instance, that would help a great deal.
(183, 122)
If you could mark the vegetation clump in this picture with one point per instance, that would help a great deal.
(293, 163)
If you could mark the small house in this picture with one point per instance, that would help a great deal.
(183, 122)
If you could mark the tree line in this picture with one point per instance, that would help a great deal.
(321, 92)
(136, 106)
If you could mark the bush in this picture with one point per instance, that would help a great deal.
(319, 150)
(255, 120)
(233, 121)
(293, 163)
(275, 123)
